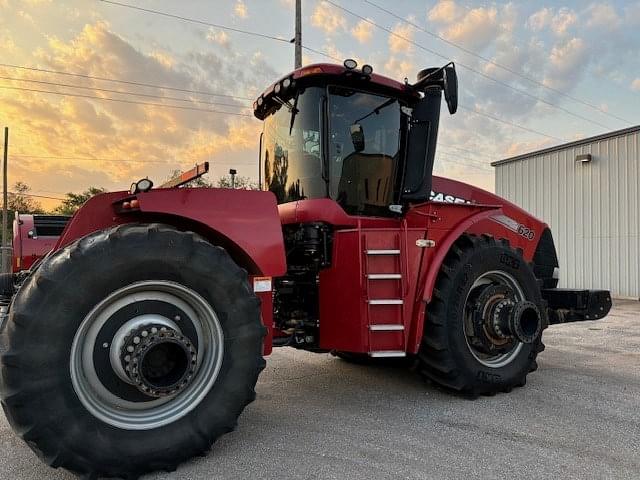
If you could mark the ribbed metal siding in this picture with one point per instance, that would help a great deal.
(593, 209)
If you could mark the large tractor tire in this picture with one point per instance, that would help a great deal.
(131, 350)
(484, 323)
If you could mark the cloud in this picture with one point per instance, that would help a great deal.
(520, 147)
(399, 69)
(540, 20)
(363, 31)
(559, 21)
(240, 9)
(564, 19)
(156, 139)
(632, 14)
(475, 28)
(602, 15)
(635, 85)
(327, 18)
(567, 62)
(398, 41)
(445, 11)
(218, 36)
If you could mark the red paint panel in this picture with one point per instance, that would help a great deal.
(317, 210)
(247, 219)
(27, 250)
(324, 69)
(342, 314)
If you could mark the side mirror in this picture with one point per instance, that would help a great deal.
(357, 137)
(451, 88)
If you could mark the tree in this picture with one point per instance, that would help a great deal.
(241, 183)
(75, 200)
(199, 182)
(21, 201)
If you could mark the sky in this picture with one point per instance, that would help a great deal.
(532, 75)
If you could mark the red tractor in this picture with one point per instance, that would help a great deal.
(138, 340)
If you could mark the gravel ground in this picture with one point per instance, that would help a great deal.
(317, 417)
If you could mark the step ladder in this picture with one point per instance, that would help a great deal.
(384, 293)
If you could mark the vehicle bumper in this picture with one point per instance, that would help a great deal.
(569, 305)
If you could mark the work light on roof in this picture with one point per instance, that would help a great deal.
(367, 69)
(286, 83)
(350, 64)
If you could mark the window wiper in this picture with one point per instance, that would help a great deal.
(376, 110)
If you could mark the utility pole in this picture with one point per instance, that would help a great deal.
(233, 172)
(5, 217)
(298, 37)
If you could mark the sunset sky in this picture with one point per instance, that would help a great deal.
(587, 54)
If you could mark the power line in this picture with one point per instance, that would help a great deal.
(493, 62)
(376, 25)
(35, 196)
(472, 152)
(471, 163)
(216, 25)
(467, 67)
(193, 20)
(94, 159)
(132, 102)
(322, 53)
(168, 163)
(126, 82)
(513, 124)
(188, 100)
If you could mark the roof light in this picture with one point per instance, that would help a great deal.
(310, 70)
(260, 101)
(286, 83)
(277, 88)
(350, 64)
(367, 69)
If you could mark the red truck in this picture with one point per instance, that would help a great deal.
(33, 237)
(138, 341)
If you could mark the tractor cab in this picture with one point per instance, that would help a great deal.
(363, 140)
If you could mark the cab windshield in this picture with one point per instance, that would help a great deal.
(358, 168)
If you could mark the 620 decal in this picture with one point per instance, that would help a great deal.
(514, 226)
(526, 232)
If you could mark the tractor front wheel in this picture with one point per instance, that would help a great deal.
(130, 351)
(484, 323)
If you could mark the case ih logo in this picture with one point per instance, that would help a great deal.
(446, 198)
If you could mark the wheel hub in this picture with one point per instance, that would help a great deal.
(148, 389)
(158, 360)
(499, 319)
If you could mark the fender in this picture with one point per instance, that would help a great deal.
(445, 242)
(450, 221)
(245, 222)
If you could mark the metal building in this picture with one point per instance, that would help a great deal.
(588, 191)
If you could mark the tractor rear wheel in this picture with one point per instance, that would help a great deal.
(484, 323)
(131, 350)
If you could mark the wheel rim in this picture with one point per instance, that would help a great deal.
(124, 413)
(495, 277)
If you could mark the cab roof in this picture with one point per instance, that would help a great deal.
(326, 73)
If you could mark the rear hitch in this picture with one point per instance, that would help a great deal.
(569, 305)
